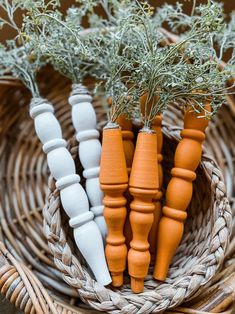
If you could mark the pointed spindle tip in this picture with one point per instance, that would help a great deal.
(117, 279)
(161, 273)
(137, 284)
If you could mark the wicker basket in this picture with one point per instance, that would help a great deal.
(41, 270)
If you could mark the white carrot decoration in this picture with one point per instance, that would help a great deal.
(24, 65)
(84, 121)
(73, 197)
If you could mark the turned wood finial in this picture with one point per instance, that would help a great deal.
(143, 186)
(114, 182)
(179, 190)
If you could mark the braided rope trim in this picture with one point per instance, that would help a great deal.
(156, 297)
(13, 287)
(22, 288)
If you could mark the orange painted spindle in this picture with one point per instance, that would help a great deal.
(128, 145)
(127, 137)
(179, 191)
(143, 186)
(157, 127)
(114, 182)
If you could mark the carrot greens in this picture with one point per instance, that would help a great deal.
(125, 50)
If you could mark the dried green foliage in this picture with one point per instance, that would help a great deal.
(129, 58)
(17, 57)
(185, 72)
(57, 42)
(16, 60)
(126, 52)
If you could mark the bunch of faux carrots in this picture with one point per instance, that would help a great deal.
(154, 232)
(140, 229)
(128, 54)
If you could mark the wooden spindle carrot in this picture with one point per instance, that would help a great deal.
(156, 126)
(180, 188)
(127, 137)
(73, 197)
(114, 182)
(128, 145)
(89, 149)
(143, 186)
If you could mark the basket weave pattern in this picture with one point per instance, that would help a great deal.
(28, 245)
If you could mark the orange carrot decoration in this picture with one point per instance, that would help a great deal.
(128, 145)
(143, 186)
(114, 182)
(179, 190)
(127, 137)
(156, 126)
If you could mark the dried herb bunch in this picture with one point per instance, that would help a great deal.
(205, 37)
(58, 40)
(17, 55)
(128, 56)
(17, 62)
(126, 51)
(185, 72)
(77, 52)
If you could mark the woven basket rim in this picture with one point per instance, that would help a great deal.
(165, 295)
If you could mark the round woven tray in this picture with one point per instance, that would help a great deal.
(28, 275)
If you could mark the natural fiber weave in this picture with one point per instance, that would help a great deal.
(23, 188)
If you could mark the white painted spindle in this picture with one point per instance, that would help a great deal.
(84, 121)
(73, 197)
